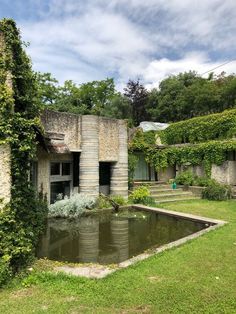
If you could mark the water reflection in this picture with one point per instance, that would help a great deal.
(108, 238)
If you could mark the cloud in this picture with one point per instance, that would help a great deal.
(95, 39)
(157, 70)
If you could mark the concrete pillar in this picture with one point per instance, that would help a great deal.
(119, 170)
(89, 160)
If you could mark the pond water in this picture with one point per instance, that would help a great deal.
(109, 238)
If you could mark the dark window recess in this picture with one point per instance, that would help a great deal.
(104, 173)
(76, 159)
(231, 155)
(66, 168)
(55, 169)
(59, 190)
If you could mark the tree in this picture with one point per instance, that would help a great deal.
(137, 94)
(118, 107)
(48, 88)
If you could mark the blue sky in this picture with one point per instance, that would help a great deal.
(86, 40)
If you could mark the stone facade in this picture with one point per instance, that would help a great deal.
(96, 140)
(5, 173)
(226, 173)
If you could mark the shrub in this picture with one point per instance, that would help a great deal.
(71, 207)
(141, 195)
(203, 181)
(185, 178)
(217, 192)
(101, 202)
(5, 272)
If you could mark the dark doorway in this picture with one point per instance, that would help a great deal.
(76, 160)
(104, 177)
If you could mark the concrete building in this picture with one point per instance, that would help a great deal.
(82, 154)
(78, 154)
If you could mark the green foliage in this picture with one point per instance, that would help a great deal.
(141, 195)
(201, 129)
(142, 140)
(203, 181)
(217, 192)
(104, 203)
(88, 98)
(132, 164)
(188, 95)
(21, 222)
(138, 97)
(71, 207)
(185, 178)
(5, 272)
(210, 152)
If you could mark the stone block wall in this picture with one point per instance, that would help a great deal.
(166, 174)
(64, 123)
(108, 139)
(226, 173)
(5, 173)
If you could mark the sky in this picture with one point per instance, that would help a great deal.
(86, 40)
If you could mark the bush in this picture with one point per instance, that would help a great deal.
(203, 181)
(141, 195)
(185, 178)
(71, 207)
(5, 272)
(217, 192)
(104, 203)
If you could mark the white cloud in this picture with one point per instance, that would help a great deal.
(94, 39)
(157, 70)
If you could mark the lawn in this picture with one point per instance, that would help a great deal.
(197, 277)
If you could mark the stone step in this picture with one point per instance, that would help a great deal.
(149, 182)
(191, 197)
(158, 186)
(153, 190)
(174, 196)
(171, 193)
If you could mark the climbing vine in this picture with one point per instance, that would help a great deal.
(217, 126)
(21, 221)
(212, 151)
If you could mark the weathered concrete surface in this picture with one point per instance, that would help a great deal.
(98, 139)
(226, 173)
(89, 158)
(108, 139)
(91, 271)
(5, 173)
(119, 170)
(166, 174)
(67, 123)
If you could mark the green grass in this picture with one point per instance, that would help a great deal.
(197, 277)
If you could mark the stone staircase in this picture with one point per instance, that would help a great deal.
(163, 192)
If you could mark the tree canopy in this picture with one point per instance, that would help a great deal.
(178, 97)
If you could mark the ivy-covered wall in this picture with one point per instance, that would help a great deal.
(207, 142)
(21, 220)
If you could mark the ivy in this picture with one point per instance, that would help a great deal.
(22, 220)
(217, 126)
(206, 153)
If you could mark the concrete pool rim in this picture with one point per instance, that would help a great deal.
(98, 271)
